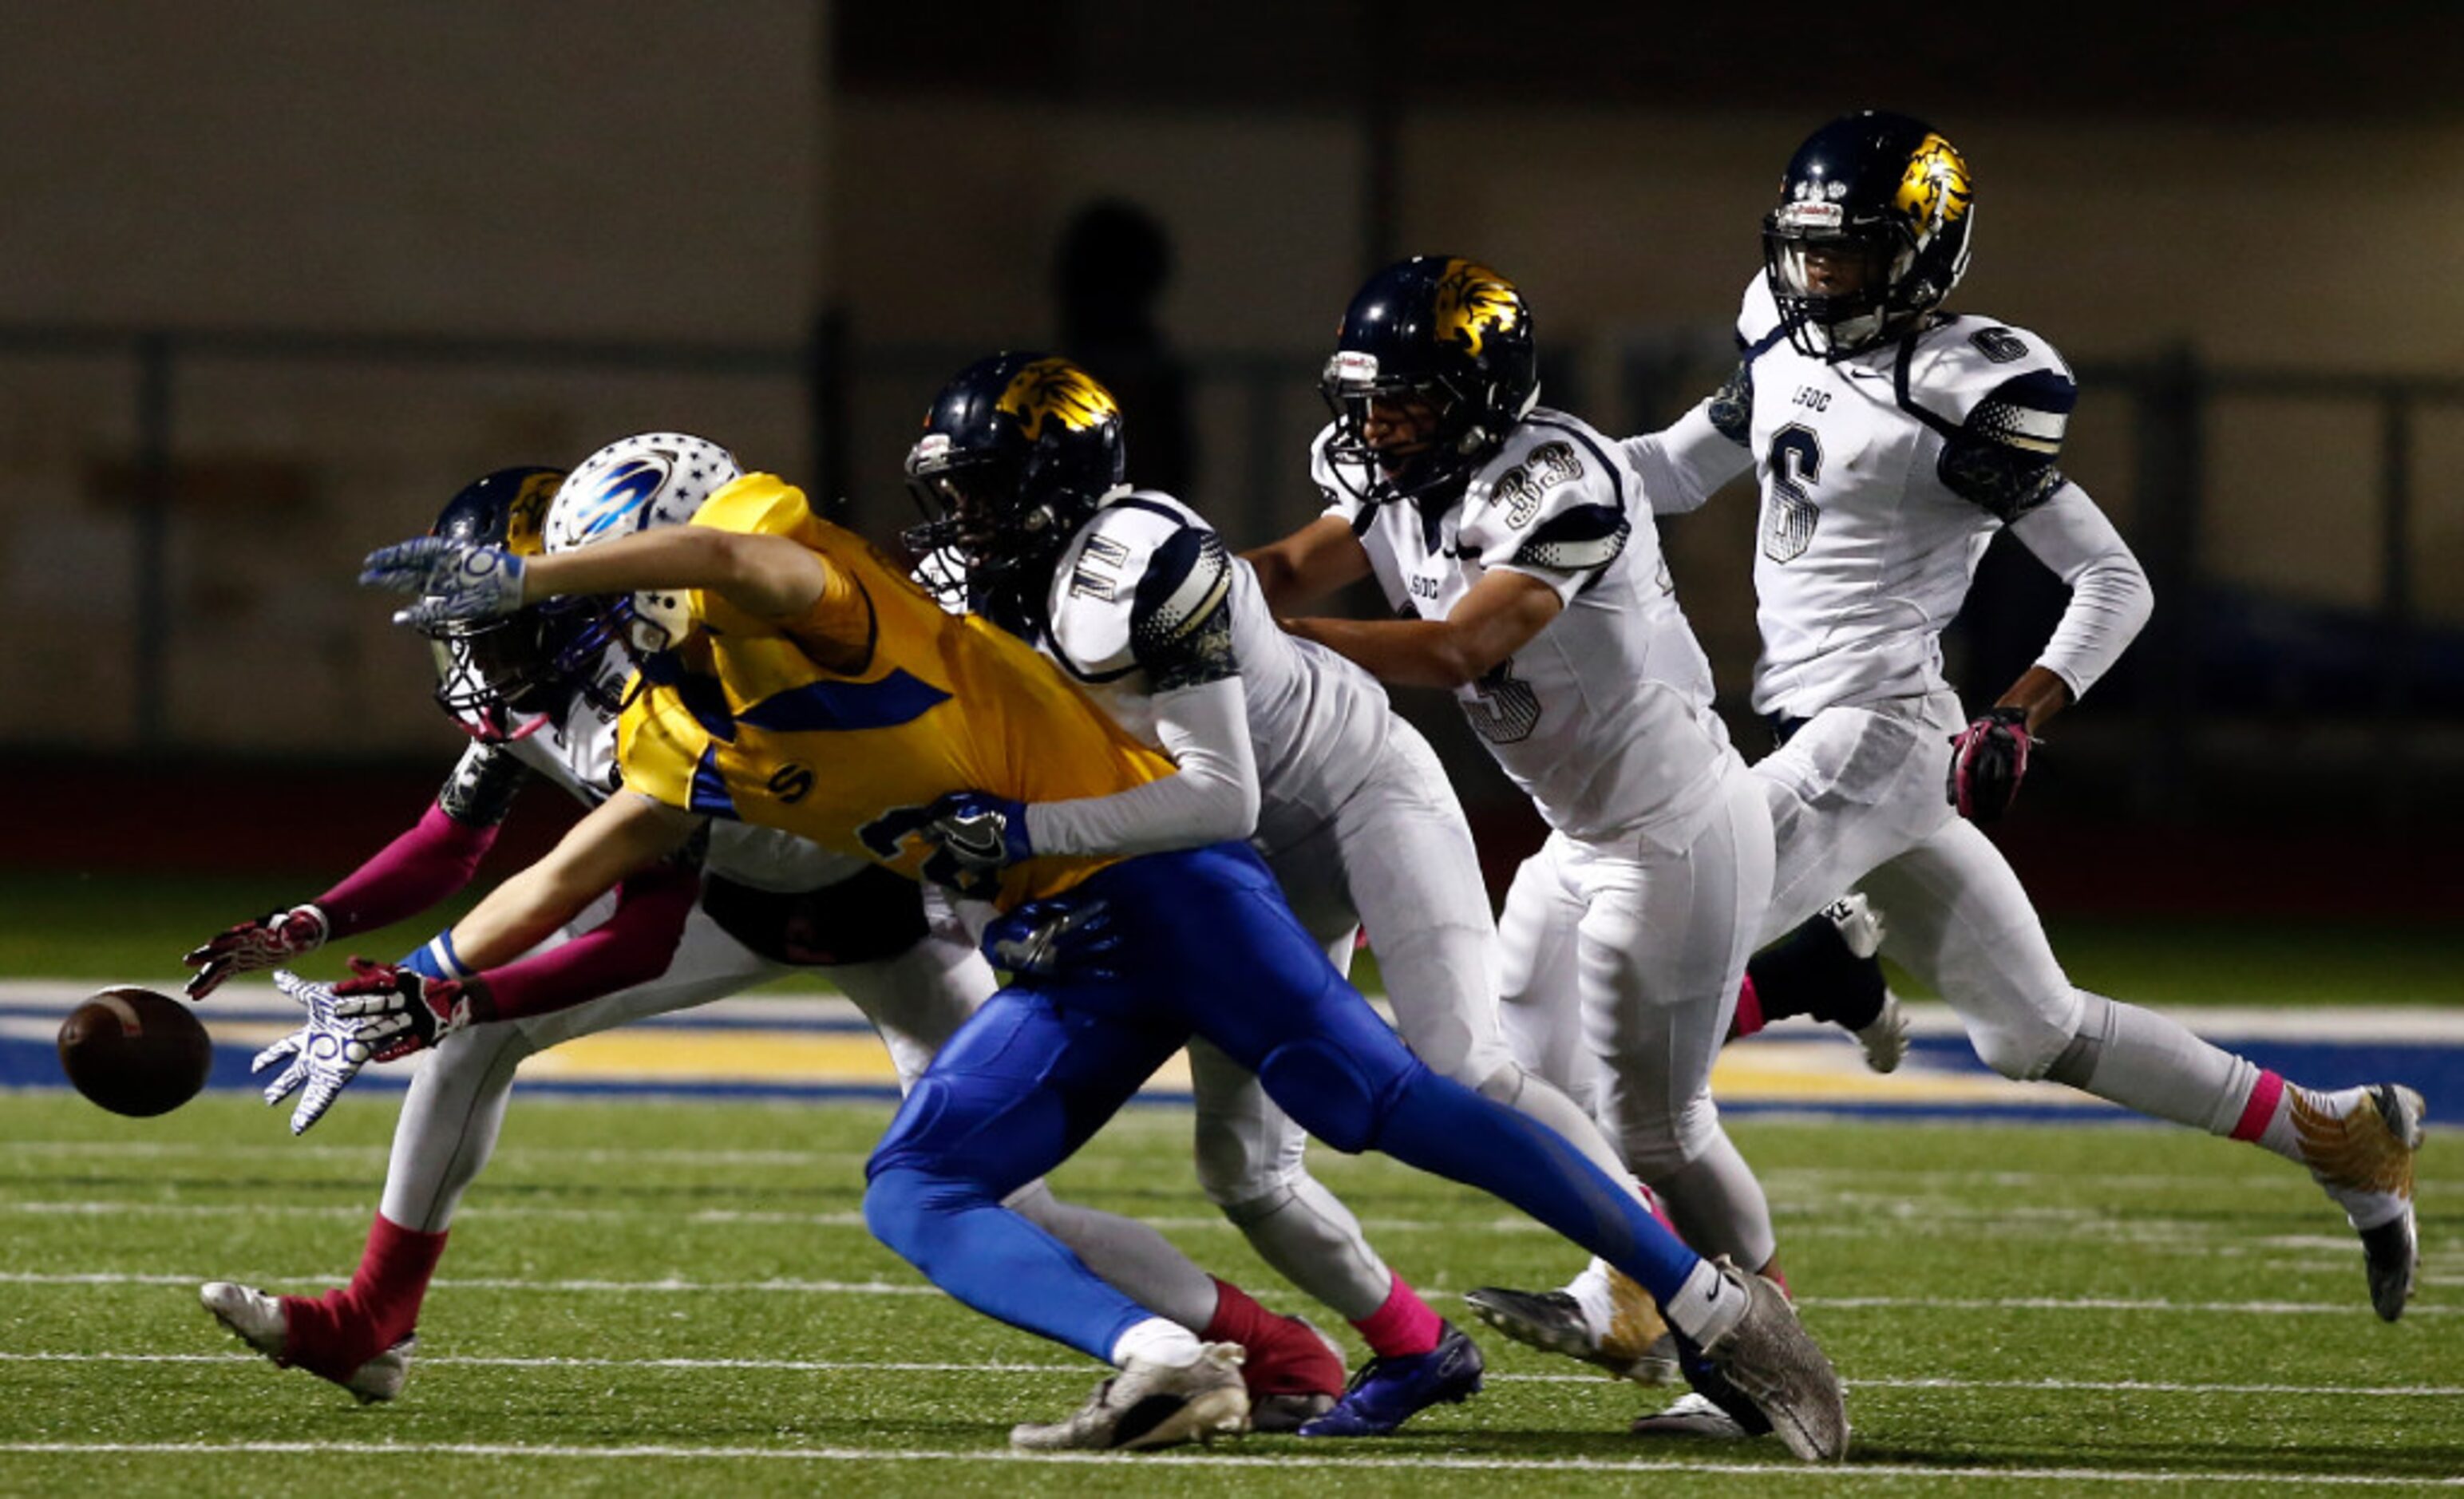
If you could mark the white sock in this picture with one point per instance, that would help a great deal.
(1158, 1341)
(1591, 1293)
(1707, 1306)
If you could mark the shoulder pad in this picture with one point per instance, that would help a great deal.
(758, 504)
(1959, 361)
(1102, 575)
(1757, 315)
(1551, 463)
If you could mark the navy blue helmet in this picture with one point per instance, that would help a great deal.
(1443, 335)
(1017, 450)
(501, 679)
(1871, 233)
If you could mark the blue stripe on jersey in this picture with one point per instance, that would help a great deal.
(709, 795)
(2040, 391)
(707, 701)
(827, 707)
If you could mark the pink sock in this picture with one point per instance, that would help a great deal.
(1660, 1210)
(1403, 1328)
(1750, 1012)
(334, 1334)
(2266, 1100)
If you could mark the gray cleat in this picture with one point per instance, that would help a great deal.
(1148, 1405)
(1773, 1363)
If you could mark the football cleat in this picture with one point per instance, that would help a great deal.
(1886, 1037)
(1295, 1375)
(1773, 1363)
(1388, 1392)
(1148, 1405)
(1638, 1345)
(2364, 1159)
(257, 1320)
(1692, 1414)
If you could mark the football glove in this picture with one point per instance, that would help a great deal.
(978, 832)
(1987, 760)
(394, 1011)
(454, 579)
(251, 945)
(319, 1060)
(1060, 939)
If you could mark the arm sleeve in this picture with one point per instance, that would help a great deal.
(435, 858)
(633, 945)
(2110, 599)
(1683, 463)
(1212, 799)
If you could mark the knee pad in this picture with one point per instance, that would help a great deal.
(2028, 1047)
(1328, 1093)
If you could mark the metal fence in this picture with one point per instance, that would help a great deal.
(2375, 704)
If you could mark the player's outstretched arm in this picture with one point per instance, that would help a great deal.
(625, 835)
(1683, 463)
(768, 576)
(1496, 618)
(1308, 564)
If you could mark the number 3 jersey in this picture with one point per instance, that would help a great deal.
(1883, 476)
(1604, 718)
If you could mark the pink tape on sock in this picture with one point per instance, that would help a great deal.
(1750, 1012)
(2260, 1112)
(1403, 1328)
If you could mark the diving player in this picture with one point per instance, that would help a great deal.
(539, 692)
(1891, 440)
(1133, 594)
(806, 684)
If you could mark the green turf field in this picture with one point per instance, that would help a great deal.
(680, 1298)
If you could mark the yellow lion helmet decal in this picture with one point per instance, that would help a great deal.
(1055, 389)
(526, 517)
(1473, 301)
(1936, 190)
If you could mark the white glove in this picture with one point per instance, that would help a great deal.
(324, 1054)
(454, 579)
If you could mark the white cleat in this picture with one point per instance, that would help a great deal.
(1148, 1405)
(1860, 924)
(257, 1319)
(1886, 1037)
(1692, 1416)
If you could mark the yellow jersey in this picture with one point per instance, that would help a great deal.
(844, 724)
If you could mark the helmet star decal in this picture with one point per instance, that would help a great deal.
(1472, 301)
(1058, 390)
(1935, 189)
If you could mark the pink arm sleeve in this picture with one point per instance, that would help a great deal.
(410, 874)
(633, 947)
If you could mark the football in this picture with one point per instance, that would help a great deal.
(135, 1052)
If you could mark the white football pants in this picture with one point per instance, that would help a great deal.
(1622, 962)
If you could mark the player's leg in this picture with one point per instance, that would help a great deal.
(1824, 969)
(1015, 1093)
(1405, 854)
(1252, 981)
(1962, 922)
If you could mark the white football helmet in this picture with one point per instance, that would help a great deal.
(652, 479)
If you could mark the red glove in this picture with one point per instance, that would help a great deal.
(395, 1011)
(265, 942)
(1988, 761)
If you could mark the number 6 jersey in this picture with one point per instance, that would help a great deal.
(1605, 716)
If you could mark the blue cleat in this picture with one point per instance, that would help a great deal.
(1388, 1392)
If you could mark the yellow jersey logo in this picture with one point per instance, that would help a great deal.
(1057, 390)
(1935, 189)
(1474, 301)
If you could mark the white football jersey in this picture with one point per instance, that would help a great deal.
(1883, 476)
(1605, 716)
(1141, 570)
(576, 753)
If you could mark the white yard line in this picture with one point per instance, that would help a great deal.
(676, 1285)
(1277, 1461)
(1084, 1369)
